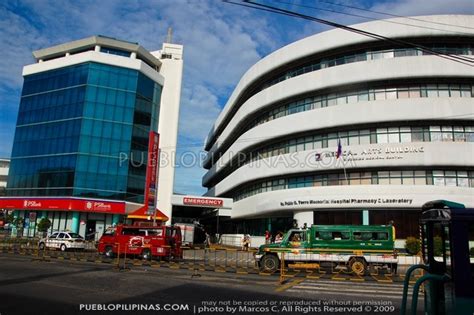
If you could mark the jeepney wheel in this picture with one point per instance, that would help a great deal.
(270, 263)
(41, 246)
(109, 252)
(146, 254)
(358, 266)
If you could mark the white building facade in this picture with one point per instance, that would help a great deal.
(171, 57)
(403, 117)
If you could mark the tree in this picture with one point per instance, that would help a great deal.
(43, 225)
(18, 222)
(412, 245)
(17, 228)
(10, 217)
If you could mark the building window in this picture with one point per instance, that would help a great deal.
(114, 51)
(405, 177)
(350, 97)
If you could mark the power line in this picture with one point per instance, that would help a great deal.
(267, 8)
(372, 18)
(355, 30)
(393, 15)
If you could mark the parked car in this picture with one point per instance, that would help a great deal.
(62, 241)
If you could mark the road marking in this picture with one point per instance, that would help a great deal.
(323, 283)
(342, 293)
(386, 280)
(377, 290)
(289, 285)
(338, 278)
(350, 289)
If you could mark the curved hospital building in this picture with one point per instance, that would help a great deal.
(403, 117)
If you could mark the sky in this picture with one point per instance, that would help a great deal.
(221, 42)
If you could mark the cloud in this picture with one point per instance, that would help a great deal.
(425, 7)
(188, 180)
(18, 38)
(9, 99)
(199, 108)
(220, 43)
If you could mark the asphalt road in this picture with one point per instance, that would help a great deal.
(63, 287)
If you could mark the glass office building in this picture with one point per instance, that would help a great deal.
(80, 150)
(77, 128)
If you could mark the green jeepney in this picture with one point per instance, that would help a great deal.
(354, 246)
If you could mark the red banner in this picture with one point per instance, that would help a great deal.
(203, 202)
(63, 204)
(152, 172)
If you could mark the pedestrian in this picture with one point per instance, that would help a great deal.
(246, 242)
(295, 224)
(207, 241)
(268, 237)
(279, 237)
(392, 224)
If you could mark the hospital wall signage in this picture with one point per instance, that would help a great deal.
(203, 202)
(366, 154)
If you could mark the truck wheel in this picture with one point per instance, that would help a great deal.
(41, 246)
(358, 266)
(269, 263)
(146, 254)
(109, 252)
(63, 247)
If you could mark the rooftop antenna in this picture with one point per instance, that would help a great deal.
(169, 36)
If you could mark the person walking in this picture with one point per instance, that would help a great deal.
(207, 241)
(246, 242)
(268, 237)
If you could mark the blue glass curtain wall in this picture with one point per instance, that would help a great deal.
(83, 131)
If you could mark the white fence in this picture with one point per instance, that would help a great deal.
(236, 240)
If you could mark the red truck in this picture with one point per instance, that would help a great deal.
(147, 241)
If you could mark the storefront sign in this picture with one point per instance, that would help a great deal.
(203, 202)
(32, 204)
(151, 173)
(98, 206)
(72, 204)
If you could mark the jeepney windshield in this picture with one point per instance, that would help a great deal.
(296, 236)
(155, 232)
(109, 231)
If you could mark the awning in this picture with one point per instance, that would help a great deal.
(141, 213)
